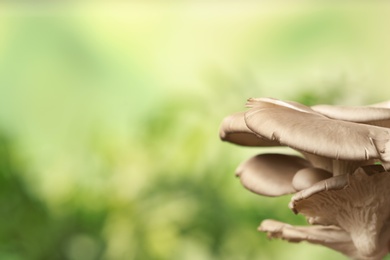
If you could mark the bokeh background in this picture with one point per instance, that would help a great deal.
(109, 117)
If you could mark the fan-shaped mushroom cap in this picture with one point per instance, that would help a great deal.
(330, 236)
(307, 177)
(234, 130)
(367, 115)
(357, 203)
(270, 174)
(317, 134)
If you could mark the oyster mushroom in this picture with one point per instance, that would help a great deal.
(271, 174)
(307, 177)
(235, 130)
(330, 236)
(336, 187)
(313, 133)
(331, 144)
(352, 214)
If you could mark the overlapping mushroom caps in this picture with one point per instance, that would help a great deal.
(337, 142)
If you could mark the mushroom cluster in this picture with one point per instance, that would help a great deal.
(340, 183)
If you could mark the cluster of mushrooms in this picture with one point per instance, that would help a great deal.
(340, 183)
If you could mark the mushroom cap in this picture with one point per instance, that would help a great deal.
(330, 236)
(270, 174)
(307, 177)
(314, 133)
(366, 115)
(234, 130)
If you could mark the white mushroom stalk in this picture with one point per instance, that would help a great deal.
(337, 187)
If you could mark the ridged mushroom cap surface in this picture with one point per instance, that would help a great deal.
(363, 114)
(319, 135)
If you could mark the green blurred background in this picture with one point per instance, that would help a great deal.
(109, 117)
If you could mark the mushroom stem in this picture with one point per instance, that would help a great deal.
(341, 167)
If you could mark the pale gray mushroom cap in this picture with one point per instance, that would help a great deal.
(333, 237)
(271, 122)
(307, 177)
(316, 134)
(234, 130)
(334, 145)
(270, 174)
(363, 114)
(278, 174)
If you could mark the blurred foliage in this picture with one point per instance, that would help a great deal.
(110, 112)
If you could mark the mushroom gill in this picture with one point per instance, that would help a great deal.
(357, 203)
